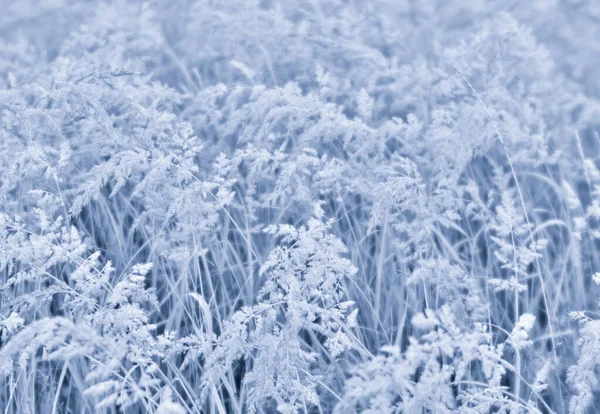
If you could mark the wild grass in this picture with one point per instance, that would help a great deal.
(298, 207)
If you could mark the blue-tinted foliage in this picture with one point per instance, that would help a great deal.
(299, 206)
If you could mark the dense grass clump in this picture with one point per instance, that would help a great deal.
(299, 206)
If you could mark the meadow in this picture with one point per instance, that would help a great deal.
(299, 206)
